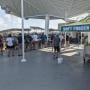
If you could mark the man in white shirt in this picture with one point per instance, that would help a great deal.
(10, 45)
(35, 41)
(9, 41)
(35, 37)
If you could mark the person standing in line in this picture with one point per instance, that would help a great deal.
(10, 45)
(56, 45)
(15, 45)
(61, 40)
(30, 42)
(44, 40)
(52, 37)
(27, 42)
(40, 42)
(20, 44)
(35, 41)
(67, 40)
(1, 45)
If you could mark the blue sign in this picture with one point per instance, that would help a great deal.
(80, 28)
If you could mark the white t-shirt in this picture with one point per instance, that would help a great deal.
(35, 38)
(61, 37)
(9, 41)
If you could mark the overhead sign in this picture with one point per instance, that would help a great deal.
(80, 28)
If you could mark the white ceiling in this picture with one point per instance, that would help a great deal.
(52, 7)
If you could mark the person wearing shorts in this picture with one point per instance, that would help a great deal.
(10, 45)
(56, 49)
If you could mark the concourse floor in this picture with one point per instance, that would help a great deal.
(43, 72)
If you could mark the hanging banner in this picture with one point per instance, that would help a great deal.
(75, 28)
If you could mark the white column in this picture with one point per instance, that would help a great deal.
(22, 15)
(66, 22)
(47, 25)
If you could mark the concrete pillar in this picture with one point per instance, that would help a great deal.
(66, 14)
(47, 25)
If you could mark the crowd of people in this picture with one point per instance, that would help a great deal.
(12, 44)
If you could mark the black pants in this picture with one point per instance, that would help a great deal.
(56, 48)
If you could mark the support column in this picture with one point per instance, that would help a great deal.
(47, 25)
(23, 46)
(66, 22)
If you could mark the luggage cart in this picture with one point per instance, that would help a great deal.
(86, 54)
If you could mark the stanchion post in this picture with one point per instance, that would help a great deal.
(22, 16)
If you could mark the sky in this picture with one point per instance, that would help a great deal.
(9, 21)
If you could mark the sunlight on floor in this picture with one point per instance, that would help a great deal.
(65, 51)
(70, 54)
(47, 49)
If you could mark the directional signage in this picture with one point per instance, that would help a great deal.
(80, 28)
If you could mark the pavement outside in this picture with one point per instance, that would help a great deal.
(42, 72)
